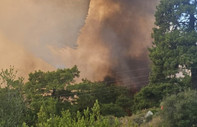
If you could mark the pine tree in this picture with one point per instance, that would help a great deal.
(174, 47)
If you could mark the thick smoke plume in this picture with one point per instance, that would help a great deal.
(111, 46)
(113, 43)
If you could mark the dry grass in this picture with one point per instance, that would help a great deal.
(155, 122)
(138, 120)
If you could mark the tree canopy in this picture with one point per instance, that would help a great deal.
(173, 53)
(174, 47)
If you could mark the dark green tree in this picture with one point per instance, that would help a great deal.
(44, 87)
(174, 52)
(174, 47)
(114, 100)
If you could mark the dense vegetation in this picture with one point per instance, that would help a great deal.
(54, 99)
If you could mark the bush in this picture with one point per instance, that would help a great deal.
(180, 110)
(112, 109)
(152, 95)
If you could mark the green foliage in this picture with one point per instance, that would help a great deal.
(115, 100)
(173, 52)
(174, 48)
(9, 80)
(180, 110)
(52, 99)
(49, 83)
(44, 88)
(86, 119)
(48, 107)
(12, 107)
(175, 14)
(61, 76)
(112, 109)
(152, 95)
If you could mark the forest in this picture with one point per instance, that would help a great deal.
(56, 99)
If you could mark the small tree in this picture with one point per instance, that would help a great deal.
(12, 106)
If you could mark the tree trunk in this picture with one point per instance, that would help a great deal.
(192, 22)
(194, 77)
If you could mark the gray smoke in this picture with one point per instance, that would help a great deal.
(113, 43)
(111, 46)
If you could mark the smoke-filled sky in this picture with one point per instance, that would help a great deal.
(103, 37)
(28, 28)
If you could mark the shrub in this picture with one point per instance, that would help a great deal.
(152, 95)
(180, 110)
(112, 109)
(89, 118)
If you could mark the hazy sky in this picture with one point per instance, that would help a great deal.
(34, 26)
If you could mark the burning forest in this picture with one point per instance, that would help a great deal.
(90, 63)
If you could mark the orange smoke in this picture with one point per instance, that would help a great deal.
(23, 61)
